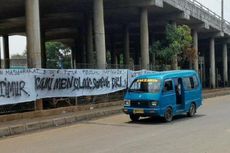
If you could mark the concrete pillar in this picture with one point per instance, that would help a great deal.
(153, 60)
(33, 34)
(195, 46)
(73, 53)
(33, 39)
(225, 63)
(99, 32)
(84, 54)
(126, 46)
(212, 74)
(6, 52)
(82, 44)
(144, 36)
(90, 54)
(136, 57)
(114, 59)
(43, 50)
(174, 58)
(0, 56)
(78, 52)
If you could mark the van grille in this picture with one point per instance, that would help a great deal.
(140, 104)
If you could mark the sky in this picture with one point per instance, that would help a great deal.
(215, 6)
(18, 43)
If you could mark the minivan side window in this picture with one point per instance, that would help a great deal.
(187, 83)
(168, 86)
(195, 80)
(190, 82)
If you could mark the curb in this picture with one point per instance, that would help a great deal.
(212, 95)
(57, 122)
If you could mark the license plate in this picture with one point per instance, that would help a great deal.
(138, 111)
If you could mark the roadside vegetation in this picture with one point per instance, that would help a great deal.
(176, 48)
(58, 55)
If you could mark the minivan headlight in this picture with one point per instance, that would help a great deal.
(154, 103)
(127, 102)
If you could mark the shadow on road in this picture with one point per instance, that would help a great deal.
(159, 120)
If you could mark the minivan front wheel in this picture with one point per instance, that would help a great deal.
(168, 116)
(192, 110)
(134, 117)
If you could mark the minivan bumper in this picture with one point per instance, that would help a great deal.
(146, 111)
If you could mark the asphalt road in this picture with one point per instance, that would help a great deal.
(207, 132)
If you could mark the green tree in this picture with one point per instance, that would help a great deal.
(178, 41)
(58, 55)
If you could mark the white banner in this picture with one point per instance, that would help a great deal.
(74, 83)
(30, 84)
(133, 74)
(16, 86)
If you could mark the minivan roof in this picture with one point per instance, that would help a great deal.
(168, 74)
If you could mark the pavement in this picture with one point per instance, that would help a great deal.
(61, 117)
(207, 132)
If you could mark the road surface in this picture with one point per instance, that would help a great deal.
(208, 132)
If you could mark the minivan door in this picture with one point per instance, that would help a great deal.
(168, 95)
(179, 90)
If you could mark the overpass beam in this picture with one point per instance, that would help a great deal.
(195, 46)
(212, 73)
(225, 63)
(99, 31)
(6, 52)
(126, 46)
(144, 38)
(33, 39)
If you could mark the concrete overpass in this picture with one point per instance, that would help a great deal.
(94, 27)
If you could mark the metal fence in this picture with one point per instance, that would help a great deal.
(50, 103)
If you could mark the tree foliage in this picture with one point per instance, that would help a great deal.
(58, 55)
(178, 40)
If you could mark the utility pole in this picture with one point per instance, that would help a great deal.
(222, 15)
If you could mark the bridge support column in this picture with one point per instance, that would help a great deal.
(90, 54)
(144, 36)
(195, 46)
(43, 50)
(212, 73)
(99, 31)
(6, 52)
(225, 63)
(114, 59)
(73, 53)
(126, 46)
(174, 58)
(33, 39)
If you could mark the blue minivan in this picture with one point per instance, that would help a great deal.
(164, 94)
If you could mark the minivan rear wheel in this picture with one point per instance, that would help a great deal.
(192, 110)
(134, 117)
(168, 116)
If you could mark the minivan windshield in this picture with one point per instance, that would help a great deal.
(145, 85)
